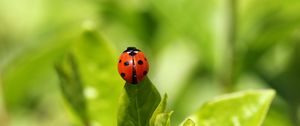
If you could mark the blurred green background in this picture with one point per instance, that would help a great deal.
(197, 50)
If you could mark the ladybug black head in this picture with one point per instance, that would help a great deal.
(131, 49)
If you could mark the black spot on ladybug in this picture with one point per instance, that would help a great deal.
(120, 61)
(123, 74)
(145, 72)
(140, 62)
(126, 63)
(145, 59)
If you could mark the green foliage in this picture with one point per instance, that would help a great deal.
(71, 86)
(138, 102)
(58, 59)
(101, 93)
(247, 108)
(83, 78)
(161, 108)
(160, 116)
(163, 119)
(188, 122)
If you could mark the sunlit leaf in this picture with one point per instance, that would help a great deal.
(161, 108)
(97, 70)
(247, 108)
(160, 117)
(188, 122)
(163, 119)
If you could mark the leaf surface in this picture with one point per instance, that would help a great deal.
(138, 102)
(188, 122)
(163, 119)
(71, 87)
(161, 108)
(100, 84)
(247, 108)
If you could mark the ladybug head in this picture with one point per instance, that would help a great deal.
(132, 51)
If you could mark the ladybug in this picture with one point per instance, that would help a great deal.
(133, 65)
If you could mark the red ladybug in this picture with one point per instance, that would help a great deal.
(133, 65)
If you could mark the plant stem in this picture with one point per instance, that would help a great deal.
(3, 116)
(294, 113)
(229, 68)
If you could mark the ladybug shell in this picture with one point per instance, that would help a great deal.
(133, 65)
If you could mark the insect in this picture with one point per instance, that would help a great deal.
(133, 65)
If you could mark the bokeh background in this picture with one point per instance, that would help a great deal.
(197, 50)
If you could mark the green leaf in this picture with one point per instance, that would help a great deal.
(161, 108)
(98, 70)
(163, 119)
(188, 122)
(138, 102)
(160, 117)
(247, 108)
(71, 87)
(99, 80)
